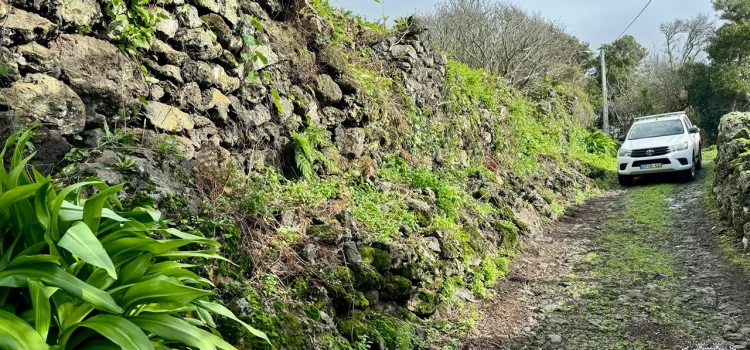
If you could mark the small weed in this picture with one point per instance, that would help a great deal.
(251, 53)
(126, 165)
(168, 146)
(136, 24)
(76, 155)
(277, 101)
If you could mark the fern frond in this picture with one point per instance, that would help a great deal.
(304, 155)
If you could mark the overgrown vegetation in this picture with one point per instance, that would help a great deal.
(71, 261)
(133, 24)
(430, 211)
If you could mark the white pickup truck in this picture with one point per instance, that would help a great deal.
(659, 144)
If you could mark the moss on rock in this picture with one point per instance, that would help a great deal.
(396, 287)
(378, 258)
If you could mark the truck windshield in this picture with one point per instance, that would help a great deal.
(657, 129)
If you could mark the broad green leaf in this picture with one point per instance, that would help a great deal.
(221, 343)
(16, 194)
(72, 212)
(133, 271)
(126, 244)
(199, 254)
(92, 209)
(100, 279)
(80, 241)
(52, 275)
(18, 170)
(158, 268)
(221, 310)
(58, 204)
(100, 344)
(33, 250)
(17, 334)
(256, 23)
(206, 317)
(192, 237)
(64, 304)
(23, 260)
(76, 267)
(261, 57)
(5, 258)
(39, 178)
(175, 329)
(40, 205)
(160, 290)
(40, 295)
(181, 274)
(20, 146)
(115, 328)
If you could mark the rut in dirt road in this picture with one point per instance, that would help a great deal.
(634, 269)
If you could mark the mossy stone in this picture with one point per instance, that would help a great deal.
(368, 279)
(397, 334)
(378, 258)
(423, 303)
(355, 326)
(396, 288)
(327, 234)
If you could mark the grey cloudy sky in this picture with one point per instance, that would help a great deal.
(594, 21)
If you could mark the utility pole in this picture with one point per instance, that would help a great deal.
(605, 110)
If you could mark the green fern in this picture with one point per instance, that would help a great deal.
(304, 155)
(306, 152)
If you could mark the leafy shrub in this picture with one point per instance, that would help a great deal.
(134, 26)
(77, 274)
(598, 142)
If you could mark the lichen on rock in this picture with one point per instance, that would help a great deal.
(41, 99)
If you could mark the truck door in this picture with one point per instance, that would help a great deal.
(694, 138)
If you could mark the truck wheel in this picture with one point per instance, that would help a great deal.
(690, 174)
(699, 165)
(625, 180)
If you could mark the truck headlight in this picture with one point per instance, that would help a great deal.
(624, 152)
(679, 147)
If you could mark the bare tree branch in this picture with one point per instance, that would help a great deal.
(503, 38)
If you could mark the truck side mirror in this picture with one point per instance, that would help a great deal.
(621, 138)
(694, 130)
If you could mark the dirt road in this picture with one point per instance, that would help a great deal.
(642, 268)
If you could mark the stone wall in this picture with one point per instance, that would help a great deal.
(732, 185)
(193, 82)
(227, 84)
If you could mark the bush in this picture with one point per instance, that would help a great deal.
(598, 142)
(78, 274)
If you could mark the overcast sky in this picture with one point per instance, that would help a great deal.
(594, 21)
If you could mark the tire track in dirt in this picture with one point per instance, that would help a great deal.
(602, 278)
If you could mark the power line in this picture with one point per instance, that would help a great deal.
(634, 19)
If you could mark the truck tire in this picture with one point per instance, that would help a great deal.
(699, 165)
(625, 180)
(690, 174)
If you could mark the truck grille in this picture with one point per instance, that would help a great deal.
(657, 151)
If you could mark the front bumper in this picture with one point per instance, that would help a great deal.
(675, 161)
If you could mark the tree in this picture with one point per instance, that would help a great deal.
(504, 39)
(643, 83)
(715, 90)
(623, 57)
(722, 86)
(686, 39)
(731, 44)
